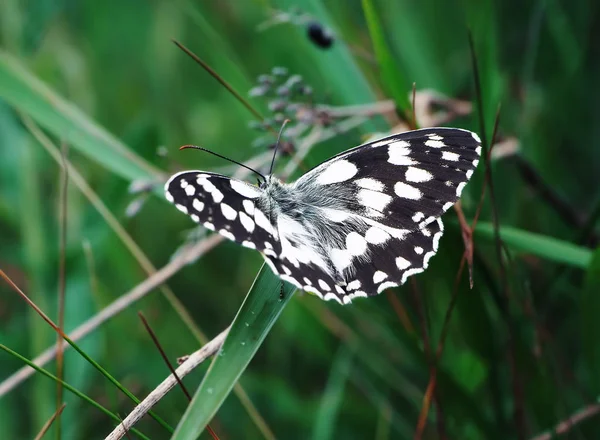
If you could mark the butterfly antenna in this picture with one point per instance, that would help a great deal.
(195, 147)
(277, 145)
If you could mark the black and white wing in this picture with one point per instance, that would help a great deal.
(381, 204)
(227, 206)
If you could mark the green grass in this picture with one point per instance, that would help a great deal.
(519, 349)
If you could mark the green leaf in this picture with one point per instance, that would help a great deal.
(543, 246)
(590, 324)
(258, 313)
(21, 89)
(391, 76)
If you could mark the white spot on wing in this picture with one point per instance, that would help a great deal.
(195, 218)
(418, 250)
(307, 281)
(248, 207)
(209, 225)
(406, 191)
(398, 153)
(248, 244)
(386, 285)
(402, 263)
(208, 186)
(245, 189)
(368, 183)
(262, 222)
(356, 244)
(447, 155)
(353, 285)
(338, 171)
(459, 188)
(341, 259)
(418, 216)
(418, 175)
(434, 144)
(476, 137)
(181, 208)
(190, 190)
(373, 199)
(228, 212)
(247, 222)
(376, 235)
(323, 285)
(197, 205)
(169, 196)
(379, 276)
(225, 233)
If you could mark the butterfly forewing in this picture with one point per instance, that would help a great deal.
(228, 206)
(402, 181)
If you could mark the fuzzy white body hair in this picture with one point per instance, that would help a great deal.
(305, 215)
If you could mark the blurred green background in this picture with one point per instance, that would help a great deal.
(104, 80)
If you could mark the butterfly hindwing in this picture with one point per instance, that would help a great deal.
(228, 206)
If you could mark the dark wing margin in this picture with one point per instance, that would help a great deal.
(227, 206)
(403, 181)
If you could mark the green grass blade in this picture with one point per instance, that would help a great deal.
(22, 90)
(333, 395)
(590, 325)
(255, 318)
(543, 246)
(69, 388)
(392, 78)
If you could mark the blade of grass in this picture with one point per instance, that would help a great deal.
(258, 313)
(391, 76)
(68, 387)
(95, 364)
(589, 301)
(21, 89)
(333, 394)
(543, 246)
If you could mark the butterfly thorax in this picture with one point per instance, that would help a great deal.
(302, 213)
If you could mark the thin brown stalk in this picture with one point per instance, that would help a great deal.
(566, 425)
(224, 83)
(414, 107)
(48, 424)
(166, 385)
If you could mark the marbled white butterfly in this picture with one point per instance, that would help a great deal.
(358, 223)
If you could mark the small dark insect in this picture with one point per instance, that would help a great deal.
(319, 35)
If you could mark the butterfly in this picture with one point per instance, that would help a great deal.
(358, 223)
